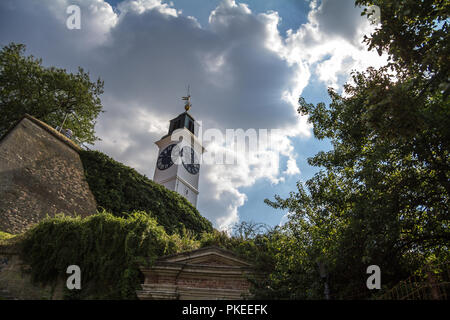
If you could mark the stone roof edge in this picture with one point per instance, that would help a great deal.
(47, 128)
(198, 268)
(193, 253)
(52, 131)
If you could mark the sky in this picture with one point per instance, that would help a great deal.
(247, 63)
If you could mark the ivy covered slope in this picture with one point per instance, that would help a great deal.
(108, 250)
(120, 190)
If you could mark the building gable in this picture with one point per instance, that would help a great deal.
(209, 273)
(207, 256)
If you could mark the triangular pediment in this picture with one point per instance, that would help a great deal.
(210, 256)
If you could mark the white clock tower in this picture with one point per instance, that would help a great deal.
(180, 151)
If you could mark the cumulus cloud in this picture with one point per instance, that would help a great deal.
(330, 43)
(243, 74)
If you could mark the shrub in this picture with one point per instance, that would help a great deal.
(107, 249)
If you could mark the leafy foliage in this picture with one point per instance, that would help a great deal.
(4, 237)
(415, 36)
(383, 192)
(49, 94)
(110, 249)
(120, 190)
(253, 249)
(107, 249)
(258, 248)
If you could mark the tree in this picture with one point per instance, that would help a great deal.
(382, 196)
(47, 93)
(415, 36)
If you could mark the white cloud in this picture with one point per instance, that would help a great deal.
(242, 72)
(292, 167)
(330, 44)
(141, 6)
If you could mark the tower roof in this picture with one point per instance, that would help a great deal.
(183, 120)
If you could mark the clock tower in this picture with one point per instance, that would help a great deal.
(180, 151)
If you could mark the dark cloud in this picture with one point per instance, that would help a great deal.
(147, 54)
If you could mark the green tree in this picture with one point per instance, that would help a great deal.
(415, 36)
(382, 195)
(47, 93)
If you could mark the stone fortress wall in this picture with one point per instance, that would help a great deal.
(41, 174)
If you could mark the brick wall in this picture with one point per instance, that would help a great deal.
(204, 281)
(213, 283)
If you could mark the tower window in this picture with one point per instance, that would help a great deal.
(182, 121)
(191, 126)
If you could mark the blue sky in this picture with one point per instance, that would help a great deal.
(247, 63)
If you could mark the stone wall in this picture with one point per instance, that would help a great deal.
(15, 279)
(40, 173)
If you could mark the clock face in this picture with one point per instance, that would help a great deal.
(165, 158)
(190, 160)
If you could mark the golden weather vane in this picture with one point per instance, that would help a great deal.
(188, 104)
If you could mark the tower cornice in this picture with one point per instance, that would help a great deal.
(186, 134)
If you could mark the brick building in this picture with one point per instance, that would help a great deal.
(209, 273)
